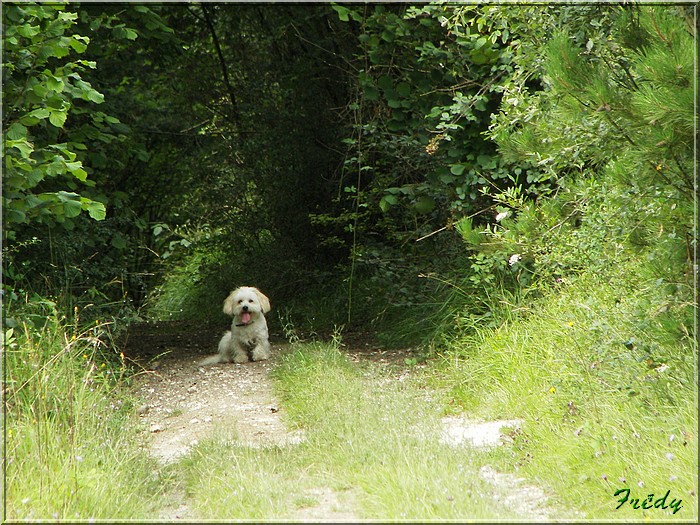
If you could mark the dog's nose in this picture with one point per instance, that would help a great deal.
(245, 308)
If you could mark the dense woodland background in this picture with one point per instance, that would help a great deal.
(508, 189)
(157, 156)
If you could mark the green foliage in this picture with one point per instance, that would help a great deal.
(624, 187)
(42, 86)
(590, 336)
(71, 452)
(74, 164)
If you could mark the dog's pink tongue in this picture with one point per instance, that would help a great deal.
(245, 317)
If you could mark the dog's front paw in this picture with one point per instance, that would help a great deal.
(241, 357)
(260, 353)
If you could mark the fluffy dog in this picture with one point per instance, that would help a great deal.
(248, 338)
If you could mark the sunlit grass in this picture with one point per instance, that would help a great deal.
(608, 397)
(372, 440)
(70, 451)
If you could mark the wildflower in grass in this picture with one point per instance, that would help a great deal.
(570, 324)
(552, 390)
(516, 257)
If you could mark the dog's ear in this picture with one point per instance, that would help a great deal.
(264, 301)
(229, 304)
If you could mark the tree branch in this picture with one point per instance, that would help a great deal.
(222, 63)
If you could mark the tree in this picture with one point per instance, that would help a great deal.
(42, 87)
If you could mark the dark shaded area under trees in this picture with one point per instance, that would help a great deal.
(321, 152)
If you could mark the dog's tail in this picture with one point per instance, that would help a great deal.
(211, 360)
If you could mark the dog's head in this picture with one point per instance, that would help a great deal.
(246, 304)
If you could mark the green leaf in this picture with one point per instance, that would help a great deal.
(457, 169)
(385, 82)
(65, 196)
(387, 201)
(28, 31)
(78, 43)
(24, 147)
(447, 179)
(343, 12)
(15, 216)
(76, 168)
(424, 204)
(95, 96)
(118, 242)
(67, 16)
(32, 118)
(58, 118)
(95, 209)
(371, 93)
(72, 208)
(403, 89)
(487, 161)
(16, 132)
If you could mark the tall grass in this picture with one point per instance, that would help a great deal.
(70, 450)
(604, 375)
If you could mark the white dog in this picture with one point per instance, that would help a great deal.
(248, 338)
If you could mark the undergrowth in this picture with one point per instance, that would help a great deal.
(70, 450)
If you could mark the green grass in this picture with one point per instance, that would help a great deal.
(371, 439)
(603, 373)
(71, 453)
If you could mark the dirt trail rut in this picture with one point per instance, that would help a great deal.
(184, 401)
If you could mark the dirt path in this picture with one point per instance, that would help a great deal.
(183, 402)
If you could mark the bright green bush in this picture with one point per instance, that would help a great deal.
(589, 334)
